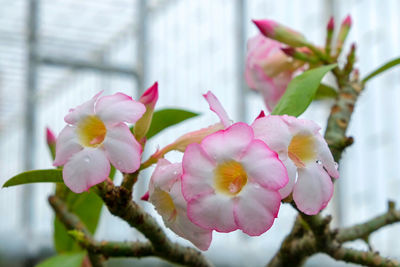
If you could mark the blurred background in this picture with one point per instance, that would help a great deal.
(55, 54)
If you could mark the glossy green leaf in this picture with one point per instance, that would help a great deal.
(64, 260)
(325, 92)
(165, 118)
(87, 206)
(36, 176)
(384, 67)
(301, 91)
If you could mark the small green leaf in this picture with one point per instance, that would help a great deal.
(36, 176)
(384, 67)
(64, 260)
(165, 118)
(301, 91)
(325, 92)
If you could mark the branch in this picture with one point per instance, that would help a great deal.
(72, 222)
(366, 258)
(119, 202)
(113, 249)
(365, 229)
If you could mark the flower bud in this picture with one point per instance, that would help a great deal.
(343, 32)
(149, 99)
(51, 142)
(280, 33)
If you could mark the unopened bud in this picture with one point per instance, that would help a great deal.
(280, 33)
(331, 24)
(51, 142)
(343, 32)
(149, 99)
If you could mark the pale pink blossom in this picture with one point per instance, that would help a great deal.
(231, 181)
(96, 135)
(268, 69)
(166, 195)
(307, 158)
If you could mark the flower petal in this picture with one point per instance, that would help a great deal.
(292, 172)
(212, 211)
(229, 143)
(182, 226)
(81, 111)
(263, 166)
(325, 155)
(216, 106)
(122, 149)
(119, 107)
(197, 178)
(301, 126)
(313, 189)
(274, 132)
(67, 145)
(256, 209)
(165, 175)
(85, 169)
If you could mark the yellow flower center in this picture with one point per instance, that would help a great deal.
(164, 204)
(229, 178)
(91, 131)
(302, 149)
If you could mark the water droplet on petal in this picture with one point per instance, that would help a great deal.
(175, 173)
(336, 165)
(86, 159)
(319, 162)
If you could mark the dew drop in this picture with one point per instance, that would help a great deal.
(319, 162)
(336, 165)
(86, 159)
(175, 173)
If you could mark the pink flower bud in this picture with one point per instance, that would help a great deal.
(149, 99)
(50, 137)
(145, 197)
(331, 24)
(150, 96)
(347, 21)
(280, 33)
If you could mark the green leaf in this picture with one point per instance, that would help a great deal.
(165, 118)
(301, 91)
(87, 206)
(325, 92)
(36, 176)
(384, 67)
(64, 260)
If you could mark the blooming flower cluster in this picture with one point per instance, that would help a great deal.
(232, 175)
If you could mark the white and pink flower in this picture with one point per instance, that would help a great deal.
(306, 156)
(96, 135)
(231, 181)
(166, 195)
(268, 69)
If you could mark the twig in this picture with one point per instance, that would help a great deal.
(363, 230)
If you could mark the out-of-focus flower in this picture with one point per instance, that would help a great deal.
(96, 135)
(149, 99)
(166, 196)
(231, 181)
(305, 154)
(268, 69)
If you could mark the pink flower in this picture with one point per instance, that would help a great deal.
(231, 181)
(268, 69)
(166, 195)
(96, 135)
(305, 153)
